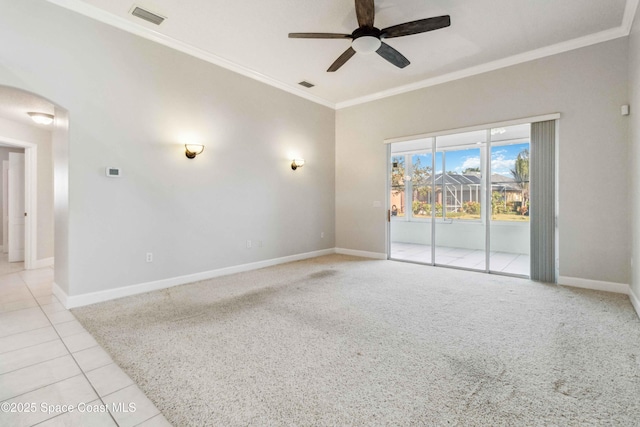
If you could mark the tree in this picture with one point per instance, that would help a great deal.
(521, 175)
(397, 171)
(421, 180)
(467, 170)
(397, 183)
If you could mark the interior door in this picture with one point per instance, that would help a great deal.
(16, 198)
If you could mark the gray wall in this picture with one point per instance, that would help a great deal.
(131, 102)
(587, 86)
(41, 137)
(634, 150)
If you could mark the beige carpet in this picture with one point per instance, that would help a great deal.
(338, 341)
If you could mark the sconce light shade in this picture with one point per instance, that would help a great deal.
(192, 150)
(41, 118)
(297, 163)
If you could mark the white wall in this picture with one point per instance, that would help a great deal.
(42, 138)
(131, 102)
(634, 155)
(587, 86)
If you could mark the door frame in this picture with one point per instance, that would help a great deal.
(552, 116)
(30, 198)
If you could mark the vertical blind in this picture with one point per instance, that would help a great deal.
(542, 196)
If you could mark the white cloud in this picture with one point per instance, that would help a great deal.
(469, 162)
(501, 165)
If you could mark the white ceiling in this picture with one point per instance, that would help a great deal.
(251, 37)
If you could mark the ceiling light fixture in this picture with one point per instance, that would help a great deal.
(41, 118)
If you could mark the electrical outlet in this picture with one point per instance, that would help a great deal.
(248, 244)
(149, 257)
(322, 235)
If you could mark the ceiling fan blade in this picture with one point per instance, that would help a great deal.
(342, 59)
(416, 27)
(319, 36)
(366, 12)
(392, 55)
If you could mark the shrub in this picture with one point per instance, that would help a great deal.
(424, 208)
(472, 208)
(497, 204)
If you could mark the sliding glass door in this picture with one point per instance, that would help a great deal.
(461, 200)
(411, 201)
(509, 230)
(460, 231)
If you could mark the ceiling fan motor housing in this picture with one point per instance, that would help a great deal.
(366, 31)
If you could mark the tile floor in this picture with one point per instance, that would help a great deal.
(502, 262)
(48, 360)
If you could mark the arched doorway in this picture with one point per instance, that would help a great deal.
(44, 147)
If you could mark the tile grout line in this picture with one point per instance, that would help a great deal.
(83, 373)
(29, 366)
(44, 386)
(24, 332)
(140, 423)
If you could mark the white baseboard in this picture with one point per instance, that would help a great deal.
(71, 301)
(60, 294)
(42, 263)
(597, 285)
(635, 301)
(363, 254)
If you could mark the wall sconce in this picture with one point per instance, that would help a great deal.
(41, 118)
(297, 163)
(192, 150)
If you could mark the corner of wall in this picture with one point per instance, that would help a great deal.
(635, 301)
(60, 294)
(362, 254)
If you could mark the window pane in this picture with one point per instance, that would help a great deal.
(438, 198)
(510, 232)
(421, 184)
(510, 182)
(462, 184)
(397, 186)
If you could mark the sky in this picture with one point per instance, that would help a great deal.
(503, 159)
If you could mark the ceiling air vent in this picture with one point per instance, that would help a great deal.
(147, 16)
(306, 84)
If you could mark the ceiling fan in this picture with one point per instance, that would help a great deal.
(367, 38)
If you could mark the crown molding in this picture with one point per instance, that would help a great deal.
(98, 14)
(631, 8)
(492, 66)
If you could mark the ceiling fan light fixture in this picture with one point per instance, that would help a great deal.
(366, 44)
